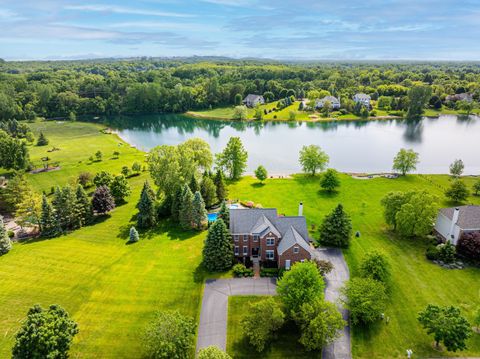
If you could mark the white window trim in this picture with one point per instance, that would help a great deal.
(245, 238)
(256, 237)
(296, 250)
(236, 250)
(235, 237)
(267, 256)
(245, 250)
(272, 241)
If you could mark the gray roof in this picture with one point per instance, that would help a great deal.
(291, 238)
(468, 218)
(361, 96)
(332, 99)
(251, 97)
(259, 219)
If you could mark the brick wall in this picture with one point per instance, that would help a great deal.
(294, 257)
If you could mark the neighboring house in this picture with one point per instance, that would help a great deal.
(262, 233)
(333, 100)
(253, 100)
(362, 98)
(452, 223)
(460, 97)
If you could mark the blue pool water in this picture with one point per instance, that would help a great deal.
(212, 217)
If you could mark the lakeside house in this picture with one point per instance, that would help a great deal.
(363, 99)
(262, 234)
(252, 100)
(453, 222)
(460, 97)
(335, 102)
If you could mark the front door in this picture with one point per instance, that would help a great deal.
(254, 252)
(287, 264)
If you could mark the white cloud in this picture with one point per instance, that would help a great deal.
(124, 10)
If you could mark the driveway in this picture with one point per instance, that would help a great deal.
(340, 349)
(212, 329)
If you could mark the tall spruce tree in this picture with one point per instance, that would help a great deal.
(336, 229)
(194, 186)
(146, 217)
(199, 213)
(224, 213)
(48, 224)
(176, 203)
(84, 206)
(186, 208)
(208, 191)
(218, 248)
(219, 181)
(64, 203)
(5, 243)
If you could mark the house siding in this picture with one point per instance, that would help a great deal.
(293, 257)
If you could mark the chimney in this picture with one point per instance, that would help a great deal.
(300, 209)
(456, 213)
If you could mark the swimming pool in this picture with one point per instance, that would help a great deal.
(212, 217)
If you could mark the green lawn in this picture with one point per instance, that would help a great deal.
(285, 345)
(111, 289)
(417, 281)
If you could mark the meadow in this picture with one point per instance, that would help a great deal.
(113, 289)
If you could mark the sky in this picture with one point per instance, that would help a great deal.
(274, 29)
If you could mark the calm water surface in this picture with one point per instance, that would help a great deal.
(352, 146)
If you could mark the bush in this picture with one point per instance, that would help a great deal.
(10, 234)
(469, 246)
(324, 267)
(446, 252)
(239, 270)
(269, 272)
(432, 253)
(212, 352)
(375, 265)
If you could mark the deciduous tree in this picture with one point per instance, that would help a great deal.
(458, 191)
(102, 201)
(456, 168)
(330, 181)
(212, 352)
(313, 159)
(120, 188)
(405, 161)
(261, 173)
(233, 159)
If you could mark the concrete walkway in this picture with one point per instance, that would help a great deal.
(212, 329)
(340, 349)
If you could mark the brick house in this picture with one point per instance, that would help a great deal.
(262, 233)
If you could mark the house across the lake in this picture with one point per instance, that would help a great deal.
(261, 233)
(252, 100)
(453, 222)
(335, 102)
(460, 97)
(362, 98)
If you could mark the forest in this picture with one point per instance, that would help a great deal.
(67, 89)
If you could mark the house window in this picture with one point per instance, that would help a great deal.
(245, 238)
(270, 254)
(245, 250)
(270, 241)
(236, 250)
(296, 250)
(235, 238)
(255, 237)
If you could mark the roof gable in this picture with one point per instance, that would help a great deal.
(291, 238)
(468, 217)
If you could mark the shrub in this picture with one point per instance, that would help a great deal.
(458, 191)
(432, 253)
(446, 252)
(469, 246)
(133, 235)
(239, 270)
(375, 265)
(269, 272)
(324, 267)
(85, 179)
(10, 234)
(212, 352)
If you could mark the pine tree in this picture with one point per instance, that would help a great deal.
(176, 203)
(5, 243)
(208, 191)
(48, 225)
(84, 207)
(102, 201)
(64, 203)
(42, 140)
(133, 235)
(218, 248)
(120, 188)
(186, 208)
(219, 181)
(194, 186)
(224, 213)
(199, 214)
(336, 228)
(146, 217)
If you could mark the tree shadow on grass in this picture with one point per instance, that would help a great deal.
(327, 194)
(164, 227)
(258, 185)
(200, 274)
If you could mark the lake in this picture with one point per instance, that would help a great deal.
(365, 146)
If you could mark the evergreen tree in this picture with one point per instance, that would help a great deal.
(5, 243)
(64, 203)
(224, 214)
(199, 214)
(219, 181)
(84, 207)
(102, 201)
(336, 228)
(133, 235)
(218, 248)
(194, 186)
(48, 225)
(176, 203)
(42, 140)
(208, 191)
(330, 181)
(120, 188)
(146, 217)
(186, 208)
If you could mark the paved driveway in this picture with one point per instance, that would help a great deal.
(340, 349)
(214, 313)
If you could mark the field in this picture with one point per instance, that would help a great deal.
(112, 289)
(417, 282)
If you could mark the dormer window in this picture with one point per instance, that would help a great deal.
(296, 250)
(256, 237)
